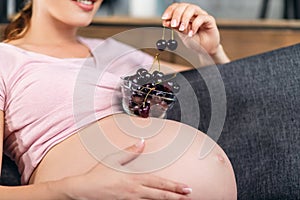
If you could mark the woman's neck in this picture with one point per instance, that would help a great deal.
(50, 34)
(52, 37)
(53, 41)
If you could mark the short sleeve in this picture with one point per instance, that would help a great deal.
(4, 59)
(2, 92)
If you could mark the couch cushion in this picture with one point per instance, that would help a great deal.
(9, 174)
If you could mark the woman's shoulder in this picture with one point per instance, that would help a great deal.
(11, 57)
(8, 52)
(92, 43)
(104, 44)
(4, 48)
(8, 49)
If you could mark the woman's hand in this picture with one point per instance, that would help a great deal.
(102, 182)
(197, 26)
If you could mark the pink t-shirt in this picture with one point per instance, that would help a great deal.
(47, 99)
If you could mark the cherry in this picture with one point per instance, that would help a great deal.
(141, 71)
(161, 44)
(146, 77)
(137, 98)
(172, 44)
(132, 104)
(157, 77)
(159, 87)
(144, 110)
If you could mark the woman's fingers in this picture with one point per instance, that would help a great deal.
(132, 152)
(187, 18)
(146, 186)
(206, 22)
(155, 187)
(157, 182)
(167, 15)
(177, 15)
(180, 15)
(150, 193)
(196, 24)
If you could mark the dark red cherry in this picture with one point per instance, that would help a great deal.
(172, 44)
(145, 78)
(157, 77)
(144, 110)
(141, 71)
(161, 44)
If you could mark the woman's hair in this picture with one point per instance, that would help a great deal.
(19, 24)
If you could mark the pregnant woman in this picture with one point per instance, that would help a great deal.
(50, 131)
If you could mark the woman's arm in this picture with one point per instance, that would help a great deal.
(50, 190)
(1, 137)
(99, 184)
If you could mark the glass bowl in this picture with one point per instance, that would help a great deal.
(147, 100)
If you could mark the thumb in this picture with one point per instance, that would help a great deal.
(126, 155)
(133, 152)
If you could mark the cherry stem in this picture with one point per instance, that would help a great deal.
(145, 99)
(172, 36)
(156, 59)
(163, 36)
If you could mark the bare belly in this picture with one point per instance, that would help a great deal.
(173, 150)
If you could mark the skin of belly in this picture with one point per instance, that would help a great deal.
(174, 151)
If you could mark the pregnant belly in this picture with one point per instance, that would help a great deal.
(173, 150)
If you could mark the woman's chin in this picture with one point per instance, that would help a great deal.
(80, 21)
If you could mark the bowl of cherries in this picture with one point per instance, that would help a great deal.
(147, 94)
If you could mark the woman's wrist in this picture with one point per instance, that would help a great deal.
(72, 188)
(61, 189)
(219, 56)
